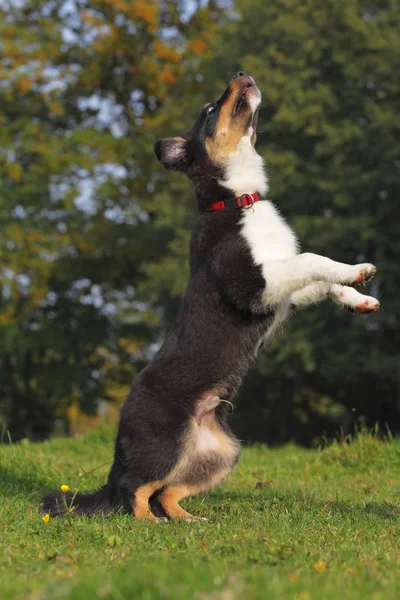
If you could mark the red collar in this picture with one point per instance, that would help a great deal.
(243, 201)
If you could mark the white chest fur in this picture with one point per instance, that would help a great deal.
(270, 240)
(266, 231)
(244, 171)
(268, 235)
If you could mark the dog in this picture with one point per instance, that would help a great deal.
(246, 277)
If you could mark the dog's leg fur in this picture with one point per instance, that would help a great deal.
(286, 276)
(344, 296)
(169, 501)
(141, 498)
(352, 300)
(310, 294)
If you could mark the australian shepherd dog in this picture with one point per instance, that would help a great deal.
(246, 276)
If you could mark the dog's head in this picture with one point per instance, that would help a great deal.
(217, 152)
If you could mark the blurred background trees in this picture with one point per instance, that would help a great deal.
(94, 235)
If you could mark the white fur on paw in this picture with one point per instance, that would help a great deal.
(364, 273)
(352, 300)
(370, 305)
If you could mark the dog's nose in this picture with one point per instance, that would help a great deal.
(243, 75)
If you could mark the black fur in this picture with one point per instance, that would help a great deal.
(59, 504)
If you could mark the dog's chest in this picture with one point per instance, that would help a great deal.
(267, 234)
(269, 238)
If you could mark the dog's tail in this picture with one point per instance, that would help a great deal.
(59, 504)
(106, 500)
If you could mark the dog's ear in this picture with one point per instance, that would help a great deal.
(172, 153)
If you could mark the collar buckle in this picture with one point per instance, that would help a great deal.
(246, 200)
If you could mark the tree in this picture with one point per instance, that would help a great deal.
(83, 90)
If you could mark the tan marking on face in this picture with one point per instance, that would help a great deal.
(230, 128)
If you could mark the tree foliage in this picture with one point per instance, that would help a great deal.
(94, 242)
(84, 90)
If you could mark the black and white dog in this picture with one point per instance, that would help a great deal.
(246, 276)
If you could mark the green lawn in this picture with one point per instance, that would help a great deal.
(289, 524)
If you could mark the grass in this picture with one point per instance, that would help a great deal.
(289, 523)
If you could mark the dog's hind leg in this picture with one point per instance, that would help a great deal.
(169, 501)
(155, 505)
(141, 498)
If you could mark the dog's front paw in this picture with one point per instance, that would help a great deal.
(366, 307)
(352, 300)
(364, 273)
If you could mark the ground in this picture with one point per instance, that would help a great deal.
(289, 523)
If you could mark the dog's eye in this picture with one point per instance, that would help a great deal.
(210, 109)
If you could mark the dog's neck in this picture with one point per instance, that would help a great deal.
(243, 173)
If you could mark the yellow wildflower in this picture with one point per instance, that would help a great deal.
(65, 488)
(46, 518)
(320, 566)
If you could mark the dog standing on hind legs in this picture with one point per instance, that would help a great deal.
(246, 276)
